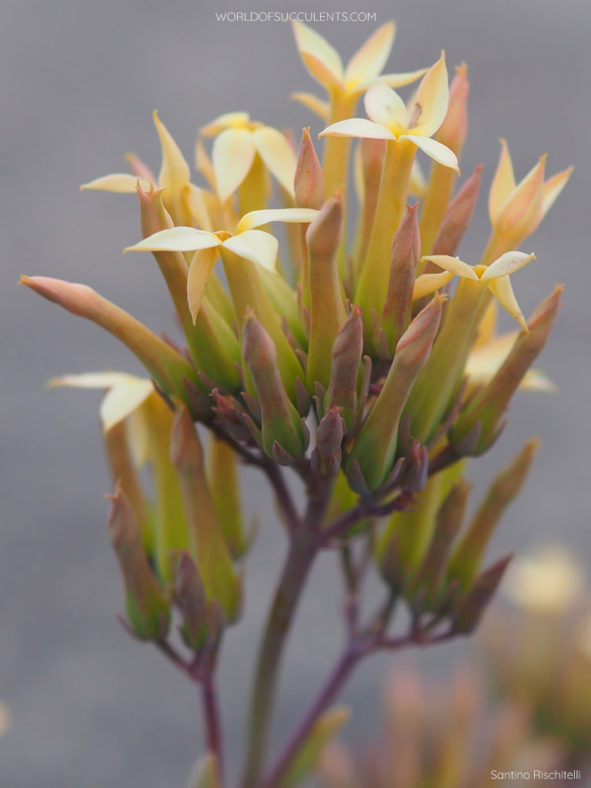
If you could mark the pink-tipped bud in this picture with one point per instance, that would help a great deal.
(148, 610)
(309, 176)
(489, 404)
(346, 358)
(167, 366)
(406, 251)
(454, 129)
(457, 217)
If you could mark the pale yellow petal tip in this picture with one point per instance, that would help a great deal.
(550, 582)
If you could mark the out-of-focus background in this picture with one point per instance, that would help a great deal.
(78, 83)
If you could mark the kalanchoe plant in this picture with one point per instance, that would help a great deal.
(354, 361)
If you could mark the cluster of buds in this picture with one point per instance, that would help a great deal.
(366, 358)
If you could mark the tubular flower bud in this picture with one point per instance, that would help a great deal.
(470, 609)
(309, 176)
(281, 423)
(346, 358)
(458, 215)
(225, 489)
(327, 310)
(167, 366)
(148, 610)
(206, 542)
(202, 621)
(406, 250)
(468, 555)
(488, 406)
(371, 155)
(452, 133)
(375, 446)
(329, 437)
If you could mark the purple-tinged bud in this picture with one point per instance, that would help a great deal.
(329, 438)
(206, 542)
(427, 583)
(281, 422)
(346, 358)
(454, 129)
(148, 610)
(457, 218)
(489, 404)
(406, 250)
(123, 471)
(467, 557)
(470, 609)
(225, 488)
(327, 308)
(375, 445)
(167, 366)
(309, 176)
(192, 602)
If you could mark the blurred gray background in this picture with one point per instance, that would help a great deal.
(78, 83)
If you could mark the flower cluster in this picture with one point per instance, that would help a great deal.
(364, 357)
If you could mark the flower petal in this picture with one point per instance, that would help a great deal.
(200, 269)
(176, 239)
(429, 283)
(371, 57)
(175, 172)
(255, 245)
(320, 58)
(397, 80)
(204, 164)
(277, 154)
(313, 103)
(357, 127)
(503, 291)
(384, 106)
(118, 182)
(435, 150)
(452, 264)
(291, 215)
(122, 400)
(93, 380)
(521, 213)
(232, 157)
(431, 100)
(552, 189)
(507, 264)
(503, 183)
(229, 120)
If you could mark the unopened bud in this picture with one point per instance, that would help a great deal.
(206, 542)
(467, 557)
(148, 610)
(281, 422)
(470, 609)
(457, 217)
(327, 309)
(329, 437)
(489, 404)
(192, 602)
(309, 176)
(375, 446)
(406, 250)
(167, 366)
(346, 358)
(372, 154)
(225, 488)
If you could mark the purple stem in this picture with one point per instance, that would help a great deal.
(211, 716)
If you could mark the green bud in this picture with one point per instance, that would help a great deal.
(148, 610)
(329, 438)
(468, 555)
(322, 732)
(488, 405)
(192, 602)
(206, 542)
(225, 489)
(282, 427)
(327, 309)
(470, 609)
(375, 446)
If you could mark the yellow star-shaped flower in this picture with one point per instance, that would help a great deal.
(496, 275)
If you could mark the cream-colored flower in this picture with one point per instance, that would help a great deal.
(496, 275)
(258, 246)
(185, 202)
(549, 582)
(363, 70)
(238, 140)
(391, 119)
